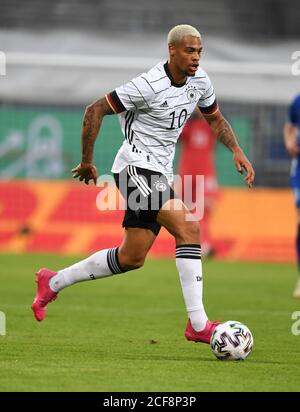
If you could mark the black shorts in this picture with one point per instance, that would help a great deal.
(145, 192)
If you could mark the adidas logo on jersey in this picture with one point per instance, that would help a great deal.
(164, 104)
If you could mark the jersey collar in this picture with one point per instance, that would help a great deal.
(173, 83)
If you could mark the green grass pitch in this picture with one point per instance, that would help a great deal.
(125, 333)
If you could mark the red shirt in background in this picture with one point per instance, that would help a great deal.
(198, 154)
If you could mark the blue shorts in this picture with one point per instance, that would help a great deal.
(295, 181)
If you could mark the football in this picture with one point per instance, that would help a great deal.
(231, 340)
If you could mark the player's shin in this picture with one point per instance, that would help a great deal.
(99, 265)
(189, 266)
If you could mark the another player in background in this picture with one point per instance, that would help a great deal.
(197, 158)
(292, 144)
(153, 109)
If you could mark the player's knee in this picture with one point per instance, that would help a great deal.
(189, 233)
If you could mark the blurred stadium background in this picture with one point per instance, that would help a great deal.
(61, 55)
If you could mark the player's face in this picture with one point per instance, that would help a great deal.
(186, 55)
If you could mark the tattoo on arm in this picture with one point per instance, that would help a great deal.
(224, 132)
(92, 121)
(227, 136)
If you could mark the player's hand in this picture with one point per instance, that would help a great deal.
(86, 172)
(243, 164)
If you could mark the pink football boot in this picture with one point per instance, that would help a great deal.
(203, 336)
(44, 294)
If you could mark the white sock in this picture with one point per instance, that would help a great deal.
(189, 266)
(100, 265)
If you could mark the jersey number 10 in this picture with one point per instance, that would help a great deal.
(181, 119)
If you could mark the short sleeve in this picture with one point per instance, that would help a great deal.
(135, 95)
(208, 102)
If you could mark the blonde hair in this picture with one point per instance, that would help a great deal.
(179, 32)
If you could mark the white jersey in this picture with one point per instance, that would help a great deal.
(152, 112)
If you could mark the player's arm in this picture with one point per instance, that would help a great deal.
(92, 121)
(222, 129)
(290, 139)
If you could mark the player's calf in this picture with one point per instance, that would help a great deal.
(131, 262)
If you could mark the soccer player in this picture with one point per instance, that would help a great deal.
(152, 109)
(292, 143)
(197, 158)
